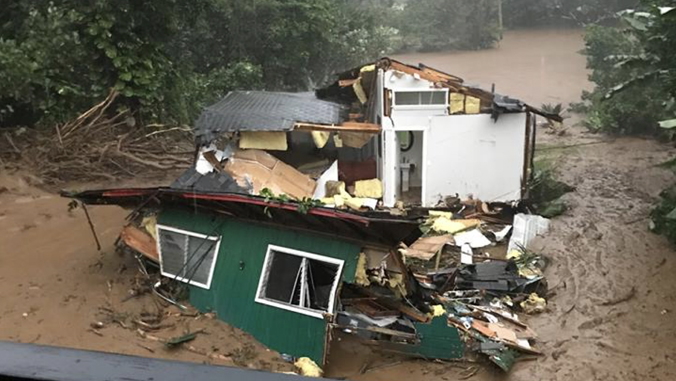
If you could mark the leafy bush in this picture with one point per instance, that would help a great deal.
(633, 69)
(663, 217)
(168, 59)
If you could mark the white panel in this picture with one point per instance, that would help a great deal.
(391, 157)
(472, 155)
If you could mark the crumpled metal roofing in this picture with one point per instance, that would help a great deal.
(191, 180)
(265, 111)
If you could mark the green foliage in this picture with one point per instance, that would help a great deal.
(663, 217)
(546, 191)
(450, 24)
(633, 69)
(168, 59)
(303, 205)
(552, 108)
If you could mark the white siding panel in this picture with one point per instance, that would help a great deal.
(472, 155)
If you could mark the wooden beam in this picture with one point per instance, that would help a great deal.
(383, 331)
(345, 127)
(429, 76)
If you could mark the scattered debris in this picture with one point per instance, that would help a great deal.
(534, 304)
(308, 368)
(293, 222)
(175, 341)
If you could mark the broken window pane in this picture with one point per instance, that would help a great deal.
(294, 280)
(186, 257)
(284, 269)
(418, 98)
(320, 278)
(172, 249)
(200, 255)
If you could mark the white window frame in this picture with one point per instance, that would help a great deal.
(190, 234)
(395, 106)
(305, 311)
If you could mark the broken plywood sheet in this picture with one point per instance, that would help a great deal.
(140, 241)
(444, 224)
(426, 248)
(263, 170)
(269, 140)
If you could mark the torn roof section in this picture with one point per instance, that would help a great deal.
(265, 111)
(381, 229)
(330, 105)
(215, 181)
(341, 90)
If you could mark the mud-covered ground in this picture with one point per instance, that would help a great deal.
(610, 316)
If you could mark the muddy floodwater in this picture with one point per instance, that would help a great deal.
(612, 304)
(536, 66)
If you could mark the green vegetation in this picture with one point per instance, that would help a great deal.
(169, 58)
(546, 190)
(634, 68)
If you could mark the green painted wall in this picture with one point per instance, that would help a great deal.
(233, 289)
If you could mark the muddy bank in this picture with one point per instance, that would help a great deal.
(55, 285)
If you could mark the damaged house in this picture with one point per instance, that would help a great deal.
(284, 226)
(286, 277)
(424, 134)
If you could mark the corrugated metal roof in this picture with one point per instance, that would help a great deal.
(265, 111)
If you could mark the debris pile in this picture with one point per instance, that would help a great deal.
(99, 145)
(479, 281)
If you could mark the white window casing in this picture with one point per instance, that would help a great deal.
(301, 276)
(420, 99)
(178, 254)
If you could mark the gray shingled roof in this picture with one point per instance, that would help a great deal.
(265, 111)
(191, 180)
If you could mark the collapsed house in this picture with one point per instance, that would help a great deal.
(284, 227)
(425, 134)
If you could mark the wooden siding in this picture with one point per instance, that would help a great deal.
(238, 269)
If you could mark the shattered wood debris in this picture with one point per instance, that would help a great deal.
(102, 144)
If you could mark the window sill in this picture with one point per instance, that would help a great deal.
(304, 311)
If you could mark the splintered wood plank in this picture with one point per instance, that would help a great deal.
(141, 242)
(345, 127)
